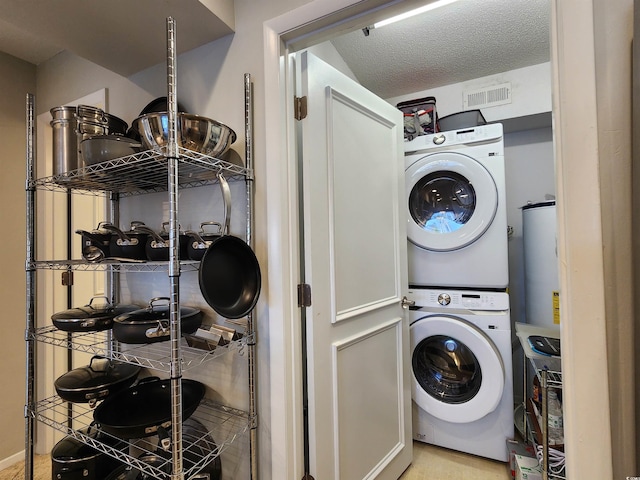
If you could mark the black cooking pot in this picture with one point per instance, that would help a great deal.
(157, 245)
(129, 244)
(93, 382)
(90, 318)
(95, 244)
(72, 459)
(155, 460)
(199, 241)
(197, 444)
(151, 324)
(141, 410)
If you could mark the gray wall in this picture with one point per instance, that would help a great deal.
(17, 78)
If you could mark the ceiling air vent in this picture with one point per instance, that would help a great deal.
(487, 97)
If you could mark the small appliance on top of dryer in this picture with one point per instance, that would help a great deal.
(456, 213)
(461, 369)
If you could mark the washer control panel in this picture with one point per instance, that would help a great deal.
(460, 299)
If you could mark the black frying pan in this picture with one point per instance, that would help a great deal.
(229, 274)
(139, 411)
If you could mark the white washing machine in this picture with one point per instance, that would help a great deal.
(456, 213)
(462, 370)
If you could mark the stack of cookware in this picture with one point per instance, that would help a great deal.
(124, 406)
(84, 135)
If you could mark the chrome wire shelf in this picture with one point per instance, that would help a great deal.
(122, 266)
(224, 425)
(142, 173)
(151, 355)
(553, 367)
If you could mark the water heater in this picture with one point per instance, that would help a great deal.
(541, 283)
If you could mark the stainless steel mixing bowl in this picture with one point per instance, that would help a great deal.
(200, 134)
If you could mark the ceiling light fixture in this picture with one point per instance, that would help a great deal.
(411, 13)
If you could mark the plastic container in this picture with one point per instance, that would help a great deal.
(420, 117)
(554, 419)
(456, 121)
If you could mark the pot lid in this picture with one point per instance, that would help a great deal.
(153, 312)
(100, 372)
(105, 310)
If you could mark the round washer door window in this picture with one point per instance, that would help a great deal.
(452, 201)
(457, 372)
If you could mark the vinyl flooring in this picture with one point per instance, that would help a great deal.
(436, 463)
(429, 463)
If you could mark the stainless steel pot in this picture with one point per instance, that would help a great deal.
(71, 125)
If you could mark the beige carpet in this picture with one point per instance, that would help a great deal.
(41, 469)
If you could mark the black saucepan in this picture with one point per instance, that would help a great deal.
(197, 444)
(93, 382)
(151, 324)
(199, 241)
(129, 244)
(90, 318)
(72, 459)
(139, 411)
(229, 274)
(157, 245)
(95, 244)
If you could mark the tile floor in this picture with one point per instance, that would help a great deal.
(429, 463)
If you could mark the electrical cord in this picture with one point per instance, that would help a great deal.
(555, 458)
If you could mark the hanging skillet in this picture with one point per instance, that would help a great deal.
(229, 274)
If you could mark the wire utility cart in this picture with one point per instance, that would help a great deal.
(549, 372)
(128, 176)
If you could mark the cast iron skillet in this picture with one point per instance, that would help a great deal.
(139, 411)
(229, 274)
(102, 377)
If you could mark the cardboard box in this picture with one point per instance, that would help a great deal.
(528, 468)
(516, 447)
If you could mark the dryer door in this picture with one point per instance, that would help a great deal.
(458, 374)
(452, 201)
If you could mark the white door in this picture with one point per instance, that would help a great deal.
(358, 375)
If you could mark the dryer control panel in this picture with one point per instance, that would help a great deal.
(459, 299)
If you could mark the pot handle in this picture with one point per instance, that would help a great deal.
(90, 235)
(226, 198)
(156, 299)
(112, 228)
(143, 228)
(100, 368)
(165, 228)
(99, 296)
(198, 239)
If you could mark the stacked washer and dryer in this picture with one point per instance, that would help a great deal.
(458, 276)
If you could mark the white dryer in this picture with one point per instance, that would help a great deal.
(456, 213)
(462, 370)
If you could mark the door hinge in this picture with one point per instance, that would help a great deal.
(304, 295)
(67, 278)
(300, 106)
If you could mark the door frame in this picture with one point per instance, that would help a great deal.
(581, 273)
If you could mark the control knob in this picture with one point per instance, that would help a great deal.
(444, 299)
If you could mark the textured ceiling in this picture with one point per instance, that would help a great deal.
(455, 43)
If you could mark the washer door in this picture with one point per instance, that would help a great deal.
(452, 201)
(458, 374)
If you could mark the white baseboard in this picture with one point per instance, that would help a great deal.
(13, 459)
